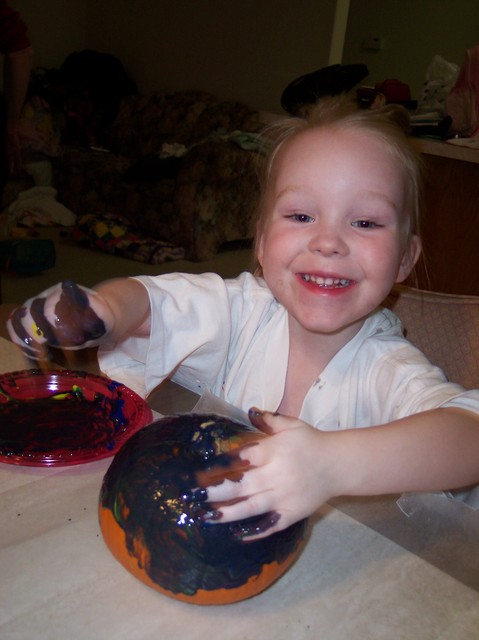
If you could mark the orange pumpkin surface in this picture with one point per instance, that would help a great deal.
(151, 515)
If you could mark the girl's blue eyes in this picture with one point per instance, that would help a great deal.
(359, 224)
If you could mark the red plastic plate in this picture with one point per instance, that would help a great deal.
(59, 418)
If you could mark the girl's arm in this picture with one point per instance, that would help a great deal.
(289, 474)
(129, 306)
(69, 316)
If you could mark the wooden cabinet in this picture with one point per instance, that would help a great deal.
(450, 228)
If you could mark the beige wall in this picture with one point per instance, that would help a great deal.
(414, 31)
(248, 50)
(56, 28)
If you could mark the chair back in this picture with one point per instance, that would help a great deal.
(444, 326)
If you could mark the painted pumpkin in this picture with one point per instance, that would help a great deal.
(151, 520)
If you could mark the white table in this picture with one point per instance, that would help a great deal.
(58, 580)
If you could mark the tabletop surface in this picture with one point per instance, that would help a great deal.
(366, 572)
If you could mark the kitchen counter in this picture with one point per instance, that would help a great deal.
(450, 220)
(465, 149)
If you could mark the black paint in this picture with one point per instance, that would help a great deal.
(151, 489)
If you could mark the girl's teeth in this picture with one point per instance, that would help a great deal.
(326, 282)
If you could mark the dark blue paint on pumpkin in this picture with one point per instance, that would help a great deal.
(150, 490)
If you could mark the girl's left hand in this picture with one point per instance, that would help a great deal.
(284, 477)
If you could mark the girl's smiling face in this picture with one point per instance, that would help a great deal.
(336, 234)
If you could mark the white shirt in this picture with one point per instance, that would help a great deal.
(230, 337)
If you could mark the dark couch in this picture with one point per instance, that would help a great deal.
(178, 166)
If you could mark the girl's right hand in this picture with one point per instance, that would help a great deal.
(66, 315)
(277, 480)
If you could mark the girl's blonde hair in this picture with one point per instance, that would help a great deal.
(389, 124)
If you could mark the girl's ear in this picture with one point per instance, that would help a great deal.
(260, 249)
(409, 259)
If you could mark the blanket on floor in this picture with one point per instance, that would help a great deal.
(117, 236)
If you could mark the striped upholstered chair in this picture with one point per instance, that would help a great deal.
(444, 326)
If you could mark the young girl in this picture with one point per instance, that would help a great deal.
(307, 340)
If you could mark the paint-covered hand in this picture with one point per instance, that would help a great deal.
(284, 477)
(66, 315)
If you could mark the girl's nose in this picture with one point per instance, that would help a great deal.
(328, 240)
